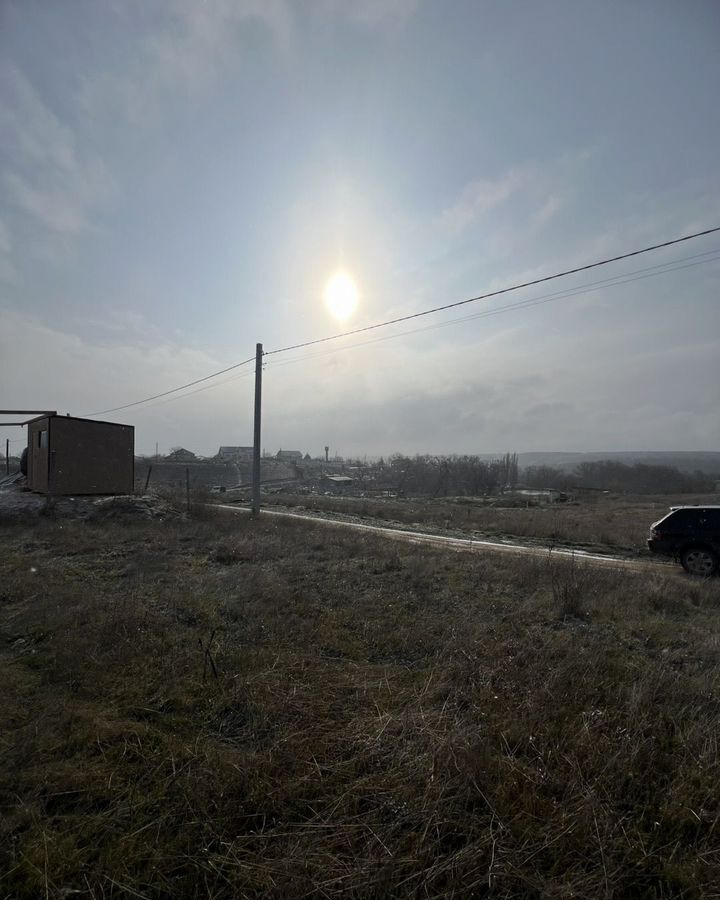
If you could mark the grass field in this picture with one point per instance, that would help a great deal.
(224, 708)
(613, 523)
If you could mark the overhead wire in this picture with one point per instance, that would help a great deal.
(207, 387)
(171, 391)
(615, 280)
(638, 275)
(486, 296)
(497, 293)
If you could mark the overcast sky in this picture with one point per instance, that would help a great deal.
(179, 179)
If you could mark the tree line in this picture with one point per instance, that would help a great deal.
(468, 475)
(443, 476)
(610, 475)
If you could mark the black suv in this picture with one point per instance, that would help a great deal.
(690, 534)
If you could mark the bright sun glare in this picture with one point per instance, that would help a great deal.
(341, 296)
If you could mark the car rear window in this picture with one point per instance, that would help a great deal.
(713, 517)
(693, 518)
(683, 518)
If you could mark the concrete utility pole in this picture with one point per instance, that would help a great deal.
(256, 437)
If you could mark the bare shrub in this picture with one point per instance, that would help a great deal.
(570, 584)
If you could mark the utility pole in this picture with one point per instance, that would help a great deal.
(256, 436)
(7, 456)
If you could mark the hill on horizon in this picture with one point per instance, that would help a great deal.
(706, 461)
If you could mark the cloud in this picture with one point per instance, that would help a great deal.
(481, 196)
(549, 210)
(520, 201)
(373, 13)
(8, 272)
(4, 239)
(192, 44)
(52, 174)
(81, 375)
(36, 134)
(54, 206)
(441, 393)
(494, 395)
(181, 57)
(47, 176)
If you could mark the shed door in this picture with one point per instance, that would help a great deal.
(40, 457)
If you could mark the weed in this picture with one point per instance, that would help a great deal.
(570, 583)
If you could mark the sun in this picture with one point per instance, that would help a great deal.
(341, 296)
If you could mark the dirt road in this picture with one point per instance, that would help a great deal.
(472, 545)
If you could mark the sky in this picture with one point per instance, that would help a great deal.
(180, 178)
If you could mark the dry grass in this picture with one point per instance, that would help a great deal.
(234, 709)
(602, 522)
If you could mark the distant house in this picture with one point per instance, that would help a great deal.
(181, 455)
(235, 454)
(337, 482)
(289, 455)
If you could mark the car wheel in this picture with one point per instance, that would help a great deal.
(699, 561)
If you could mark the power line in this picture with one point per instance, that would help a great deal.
(172, 390)
(427, 312)
(637, 275)
(497, 293)
(207, 387)
(675, 265)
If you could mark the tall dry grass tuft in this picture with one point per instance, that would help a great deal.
(571, 583)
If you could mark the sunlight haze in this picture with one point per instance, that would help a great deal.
(341, 296)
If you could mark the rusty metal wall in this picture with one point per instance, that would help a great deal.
(80, 456)
(38, 455)
(88, 457)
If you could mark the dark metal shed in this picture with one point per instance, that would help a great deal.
(67, 455)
